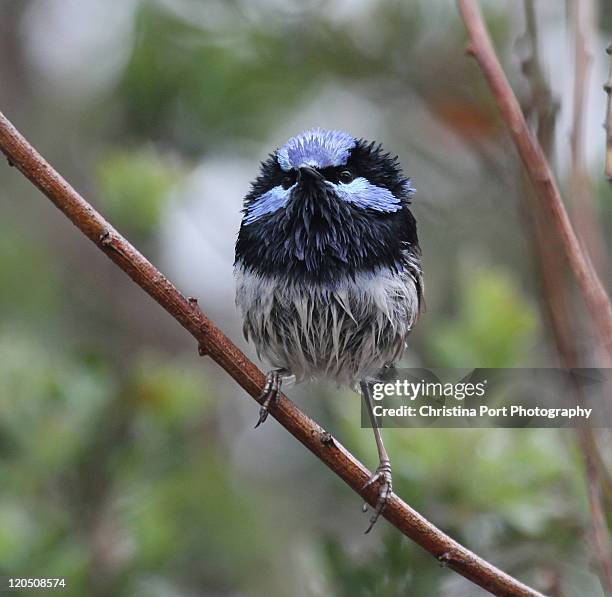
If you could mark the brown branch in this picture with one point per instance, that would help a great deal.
(555, 300)
(542, 108)
(538, 170)
(583, 60)
(608, 123)
(600, 537)
(586, 222)
(541, 111)
(213, 342)
(583, 204)
(584, 211)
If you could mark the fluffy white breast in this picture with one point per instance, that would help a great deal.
(342, 331)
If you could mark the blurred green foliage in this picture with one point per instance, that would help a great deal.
(135, 186)
(21, 256)
(384, 572)
(494, 325)
(208, 82)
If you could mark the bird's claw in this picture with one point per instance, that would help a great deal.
(269, 394)
(383, 476)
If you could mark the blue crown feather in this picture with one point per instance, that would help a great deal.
(317, 147)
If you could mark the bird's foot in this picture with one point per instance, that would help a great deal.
(269, 394)
(382, 476)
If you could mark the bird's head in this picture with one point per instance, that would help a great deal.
(326, 204)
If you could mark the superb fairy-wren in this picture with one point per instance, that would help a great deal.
(328, 267)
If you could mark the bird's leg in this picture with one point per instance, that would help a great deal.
(270, 393)
(383, 472)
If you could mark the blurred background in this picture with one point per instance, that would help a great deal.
(130, 465)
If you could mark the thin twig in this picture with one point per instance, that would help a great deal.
(538, 170)
(608, 123)
(556, 300)
(541, 111)
(583, 209)
(542, 108)
(582, 201)
(600, 536)
(219, 347)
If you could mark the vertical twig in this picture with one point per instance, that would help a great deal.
(542, 109)
(600, 536)
(539, 171)
(608, 123)
(583, 204)
(589, 229)
(554, 291)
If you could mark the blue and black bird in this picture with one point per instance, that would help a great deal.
(328, 267)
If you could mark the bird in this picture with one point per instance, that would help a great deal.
(328, 269)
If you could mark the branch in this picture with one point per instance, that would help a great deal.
(583, 205)
(600, 536)
(541, 111)
(583, 61)
(542, 108)
(551, 276)
(538, 170)
(583, 209)
(219, 347)
(608, 123)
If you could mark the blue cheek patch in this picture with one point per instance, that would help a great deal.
(271, 201)
(359, 192)
(363, 194)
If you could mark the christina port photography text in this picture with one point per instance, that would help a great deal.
(490, 398)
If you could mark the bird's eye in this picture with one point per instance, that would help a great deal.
(288, 181)
(345, 176)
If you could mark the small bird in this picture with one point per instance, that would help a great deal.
(328, 268)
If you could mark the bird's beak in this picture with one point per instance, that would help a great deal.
(307, 172)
